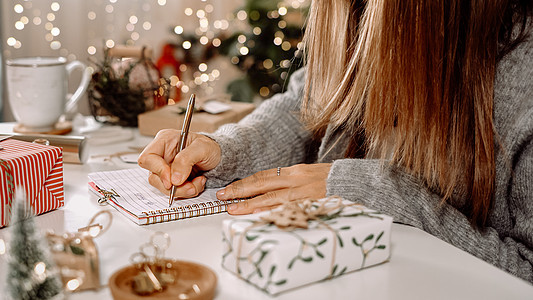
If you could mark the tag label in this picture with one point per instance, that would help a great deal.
(215, 107)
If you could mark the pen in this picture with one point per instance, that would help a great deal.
(183, 138)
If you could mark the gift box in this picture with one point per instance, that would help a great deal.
(37, 169)
(171, 116)
(305, 242)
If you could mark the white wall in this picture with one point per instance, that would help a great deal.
(78, 32)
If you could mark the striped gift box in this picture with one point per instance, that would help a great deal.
(38, 169)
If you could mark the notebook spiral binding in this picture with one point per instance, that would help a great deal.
(187, 211)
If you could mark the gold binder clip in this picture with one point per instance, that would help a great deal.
(146, 282)
(153, 275)
(106, 195)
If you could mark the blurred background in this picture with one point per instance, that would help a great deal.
(243, 49)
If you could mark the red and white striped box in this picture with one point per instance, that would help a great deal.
(37, 169)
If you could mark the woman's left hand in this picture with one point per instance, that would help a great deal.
(266, 190)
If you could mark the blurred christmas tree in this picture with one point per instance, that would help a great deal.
(266, 48)
(269, 53)
(31, 274)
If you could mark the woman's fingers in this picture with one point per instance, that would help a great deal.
(202, 152)
(269, 180)
(156, 156)
(191, 188)
(270, 200)
(186, 190)
(159, 168)
(259, 183)
(270, 188)
(168, 167)
(155, 180)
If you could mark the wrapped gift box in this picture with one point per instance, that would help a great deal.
(171, 116)
(277, 259)
(38, 169)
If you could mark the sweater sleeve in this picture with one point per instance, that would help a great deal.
(402, 196)
(271, 136)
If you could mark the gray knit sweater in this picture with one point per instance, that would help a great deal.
(273, 136)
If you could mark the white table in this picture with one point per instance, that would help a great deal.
(421, 266)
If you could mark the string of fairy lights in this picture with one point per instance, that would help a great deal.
(205, 30)
(197, 21)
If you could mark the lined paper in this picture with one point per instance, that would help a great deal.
(142, 203)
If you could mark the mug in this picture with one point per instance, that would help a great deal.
(37, 90)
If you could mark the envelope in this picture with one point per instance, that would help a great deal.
(34, 168)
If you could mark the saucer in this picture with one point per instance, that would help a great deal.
(60, 128)
(190, 274)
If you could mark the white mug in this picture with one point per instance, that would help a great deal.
(37, 90)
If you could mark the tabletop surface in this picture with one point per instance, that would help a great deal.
(420, 267)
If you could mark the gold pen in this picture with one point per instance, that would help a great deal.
(183, 138)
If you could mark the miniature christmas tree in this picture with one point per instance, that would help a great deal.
(31, 273)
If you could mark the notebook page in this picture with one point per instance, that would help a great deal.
(148, 205)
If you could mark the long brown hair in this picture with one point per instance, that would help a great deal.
(414, 79)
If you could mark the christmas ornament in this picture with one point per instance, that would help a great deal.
(120, 90)
(169, 67)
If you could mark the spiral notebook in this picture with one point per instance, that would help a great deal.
(130, 193)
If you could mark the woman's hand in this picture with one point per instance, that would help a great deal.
(270, 190)
(168, 167)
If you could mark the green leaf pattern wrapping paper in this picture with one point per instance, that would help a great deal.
(276, 260)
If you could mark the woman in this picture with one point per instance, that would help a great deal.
(429, 120)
